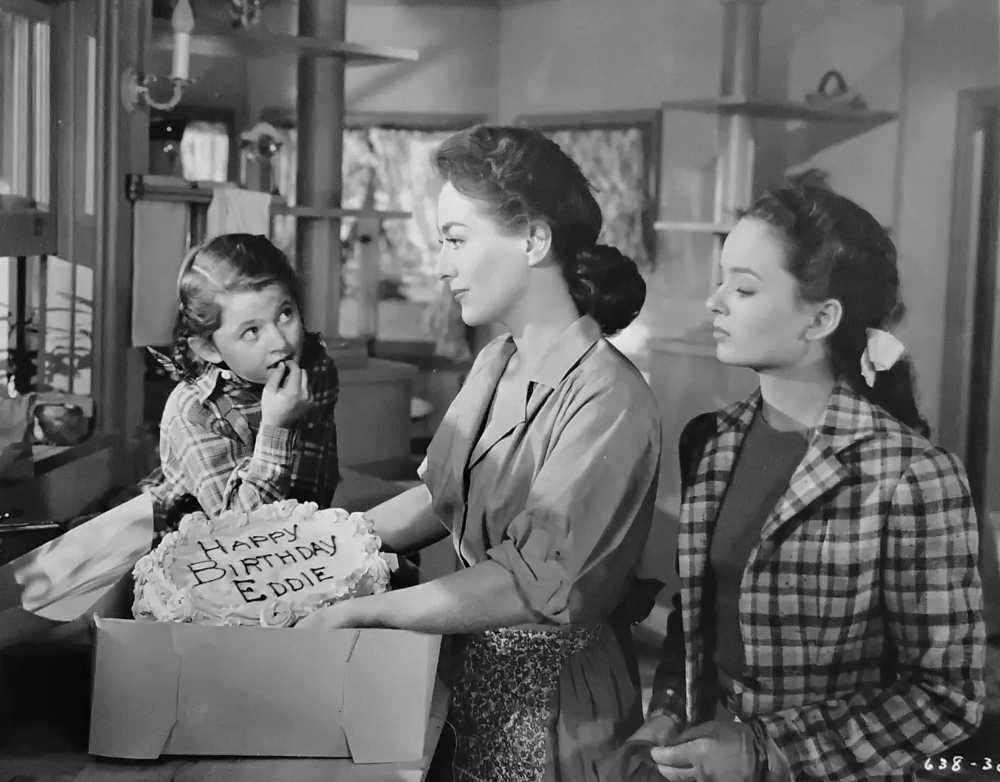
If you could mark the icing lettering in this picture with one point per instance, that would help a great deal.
(277, 589)
(247, 587)
(209, 549)
(286, 557)
(204, 567)
(249, 562)
(254, 575)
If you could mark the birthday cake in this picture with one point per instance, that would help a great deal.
(269, 567)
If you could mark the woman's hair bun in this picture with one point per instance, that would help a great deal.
(606, 285)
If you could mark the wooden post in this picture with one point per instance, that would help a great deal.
(122, 146)
(740, 69)
(320, 156)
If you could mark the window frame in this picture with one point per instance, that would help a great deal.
(34, 231)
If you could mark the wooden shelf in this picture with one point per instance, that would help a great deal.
(320, 213)
(719, 229)
(152, 187)
(763, 108)
(213, 40)
(49, 457)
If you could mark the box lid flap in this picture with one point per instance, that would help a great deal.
(136, 679)
(387, 695)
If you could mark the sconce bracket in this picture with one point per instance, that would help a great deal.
(135, 90)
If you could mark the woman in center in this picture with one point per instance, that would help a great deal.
(543, 472)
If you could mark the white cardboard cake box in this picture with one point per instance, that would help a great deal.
(180, 689)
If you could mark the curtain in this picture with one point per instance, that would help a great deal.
(615, 163)
(389, 169)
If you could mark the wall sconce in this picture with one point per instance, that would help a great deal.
(135, 88)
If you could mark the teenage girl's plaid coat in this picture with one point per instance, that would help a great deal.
(860, 608)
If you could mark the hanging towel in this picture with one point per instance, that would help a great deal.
(159, 242)
(237, 211)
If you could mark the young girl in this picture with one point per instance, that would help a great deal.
(830, 598)
(252, 420)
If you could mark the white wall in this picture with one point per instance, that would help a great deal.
(456, 72)
(585, 55)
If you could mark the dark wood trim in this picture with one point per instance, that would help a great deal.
(650, 124)
(286, 118)
(185, 111)
(625, 118)
(122, 145)
(414, 121)
(957, 363)
(35, 10)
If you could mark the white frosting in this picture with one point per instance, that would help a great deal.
(269, 567)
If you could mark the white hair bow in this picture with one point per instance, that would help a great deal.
(881, 353)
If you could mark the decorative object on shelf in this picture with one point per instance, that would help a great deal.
(245, 12)
(739, 107)
(62, 419)
(136, 88)
(833, 90)
(258, 146)
(16, 424)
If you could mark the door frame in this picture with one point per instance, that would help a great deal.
(962, 269)
(962, 370)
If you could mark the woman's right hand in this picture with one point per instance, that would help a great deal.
(285, 398)
(660, 729)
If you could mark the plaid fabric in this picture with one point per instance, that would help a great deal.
(216, 456)
(861, 606)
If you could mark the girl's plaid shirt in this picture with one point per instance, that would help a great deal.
(215, 455)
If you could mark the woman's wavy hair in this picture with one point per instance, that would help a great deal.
(837, 250)
(522, 176)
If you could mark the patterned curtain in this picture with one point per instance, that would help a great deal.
(615, 163)
(391, 170)
(407, 180)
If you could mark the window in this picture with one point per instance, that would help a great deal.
(619, 152)
(388, 165)
(25, 108)
(46, 299)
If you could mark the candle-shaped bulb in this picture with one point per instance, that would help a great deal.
(183, 23)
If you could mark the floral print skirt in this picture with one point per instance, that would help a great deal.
(503, 692)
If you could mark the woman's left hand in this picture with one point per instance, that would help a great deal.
(709, 752)
(339, 615)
